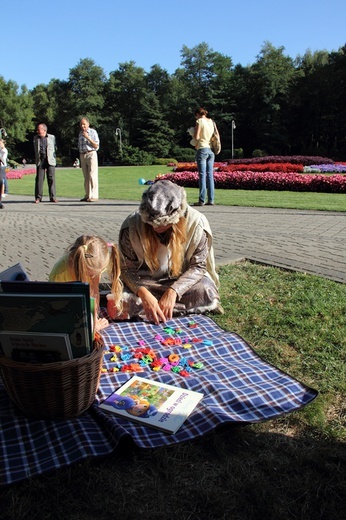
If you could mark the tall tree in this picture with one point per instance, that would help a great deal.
(205, 72)
(317, 116)
(85, 96)
(204, 77)
(127, 91)
(268, 89)
(16, 110)
(155, 136)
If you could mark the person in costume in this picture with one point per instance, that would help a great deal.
(167, 257)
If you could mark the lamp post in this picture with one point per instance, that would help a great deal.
(118, 133)
(232, 134)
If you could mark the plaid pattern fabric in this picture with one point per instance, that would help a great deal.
(238, 387)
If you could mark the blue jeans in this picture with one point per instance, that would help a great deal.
(205, 163)
(3, 178)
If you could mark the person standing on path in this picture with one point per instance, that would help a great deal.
(88, 145)
(205, 157)
(3, 165)
(45, 159)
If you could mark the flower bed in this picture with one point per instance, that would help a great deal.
(248, 180)
(265, 167)
(192, 166)
(18, 174)
(326, 168)
(279, 173)
(305, 160)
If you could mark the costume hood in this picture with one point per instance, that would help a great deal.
(163, 204)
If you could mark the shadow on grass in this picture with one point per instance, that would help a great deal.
(231, 473)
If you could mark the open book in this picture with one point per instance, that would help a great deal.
(152, 403)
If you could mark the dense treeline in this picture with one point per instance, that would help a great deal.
(280, 106)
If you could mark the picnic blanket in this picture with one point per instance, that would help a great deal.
(238, 387)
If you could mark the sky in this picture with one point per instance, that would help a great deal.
(42, 41)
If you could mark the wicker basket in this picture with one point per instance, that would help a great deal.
(63, 390)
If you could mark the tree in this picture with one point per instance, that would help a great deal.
(85, 97)
(16, 110)
(268, 87)
(317, 116)
(16, 116)
(128, 89)
(155, 136)
(202, 80)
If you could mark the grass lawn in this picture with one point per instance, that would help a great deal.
(293, 467)
(121, 183)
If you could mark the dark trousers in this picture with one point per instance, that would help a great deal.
(43, 168)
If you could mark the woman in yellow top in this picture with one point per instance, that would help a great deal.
(205, 157)
(85, 261)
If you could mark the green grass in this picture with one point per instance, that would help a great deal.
(289, 468)
(121, 183)
(297, 322)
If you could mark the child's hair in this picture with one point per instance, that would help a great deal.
(90, 256)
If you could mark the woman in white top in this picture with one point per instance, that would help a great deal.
(3, 164)
(205, 157)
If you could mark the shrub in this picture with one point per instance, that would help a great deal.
(184, 154)
(258, 153)
(13, 164)
(165, 162)
(133, 156)
(238, 153)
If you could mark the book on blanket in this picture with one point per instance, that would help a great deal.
(35, 347)
(154, 404)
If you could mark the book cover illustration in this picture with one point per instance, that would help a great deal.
(54, 313)
(35, 347)
(152, 403)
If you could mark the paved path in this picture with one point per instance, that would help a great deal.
(308, 241)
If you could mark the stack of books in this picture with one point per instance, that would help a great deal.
(42, 322)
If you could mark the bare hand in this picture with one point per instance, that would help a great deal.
(151, 306)
(167, 302)
(101, 323)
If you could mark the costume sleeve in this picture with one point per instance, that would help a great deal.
(196, 269)
(129, 262)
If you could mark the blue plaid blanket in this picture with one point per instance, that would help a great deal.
(238, 387)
